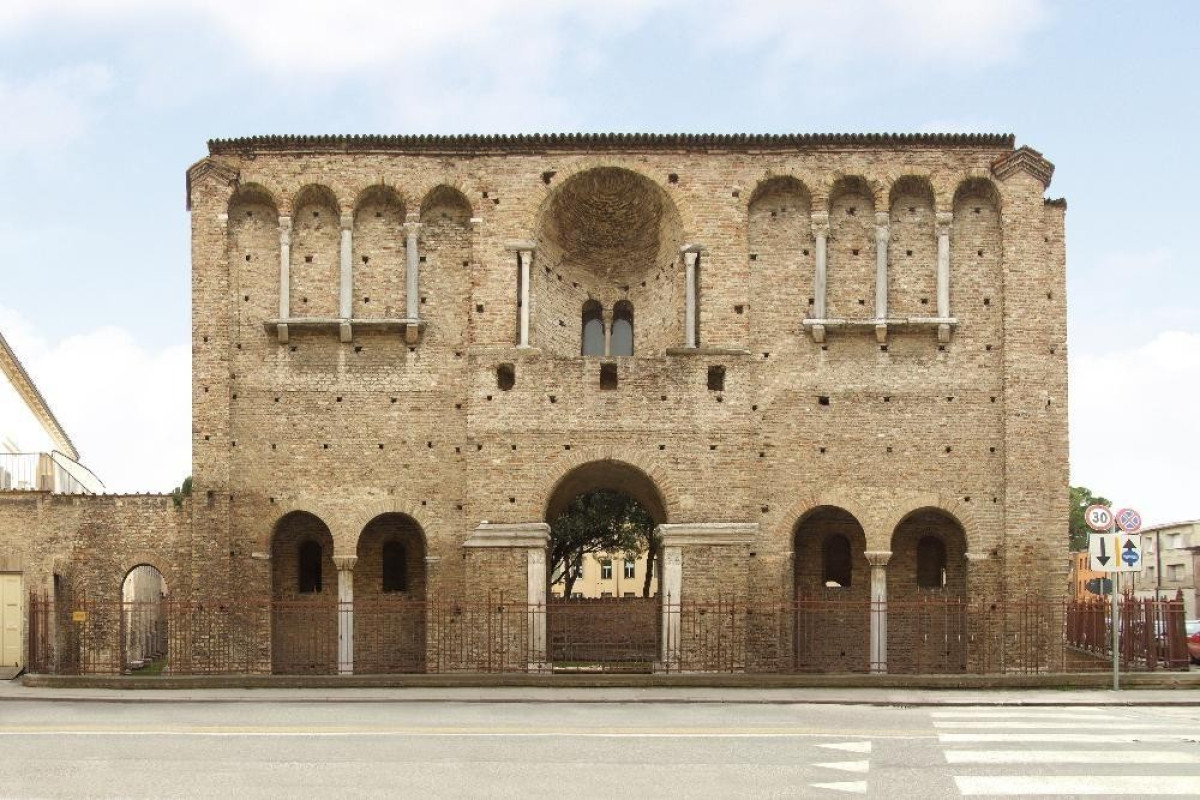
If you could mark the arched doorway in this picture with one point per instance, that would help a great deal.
(144, 632)
(389, 596)
(603, 611)
(303, 596)
(927, 592)
(831, 582)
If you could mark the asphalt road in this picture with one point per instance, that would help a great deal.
(591, 750)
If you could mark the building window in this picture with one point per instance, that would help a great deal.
(931, 563)
(835, 558)
(395, 567)
(1173, 540)
(606, 594)
(1174, 572)
(309, 567)
(622, 329)
(606, 570)
(593, 329)
(628, 594)
(630, 568)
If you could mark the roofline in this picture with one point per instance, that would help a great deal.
(25, 386)
(604, 141)
(1166, 525)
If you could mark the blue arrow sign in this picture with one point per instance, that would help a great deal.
(1130, 555)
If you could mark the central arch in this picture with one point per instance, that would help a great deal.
(389, 596)
(604, 613)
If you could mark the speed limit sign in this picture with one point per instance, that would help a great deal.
(1098, 518)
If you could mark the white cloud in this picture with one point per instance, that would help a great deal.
(48, 111)
(1135, 432)
(126, 407)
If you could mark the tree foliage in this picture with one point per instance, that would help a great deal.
(181, 491)
(600, 521)
(1081, 498)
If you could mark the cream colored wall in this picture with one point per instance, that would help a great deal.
(592, 585)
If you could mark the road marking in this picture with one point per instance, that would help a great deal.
(857, 787)
(985, 724)
(1081, 738)
(850, 747)
(1030, 715)
(1069, 757)
(846, 766)
(1140, 785)
(233, 732)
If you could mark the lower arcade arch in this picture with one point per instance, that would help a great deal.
(304, 596)
(389, 596)
(603, 569)
(831, 592)
(145, 636)
(928, 616)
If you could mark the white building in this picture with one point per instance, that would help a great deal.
(1168, 563)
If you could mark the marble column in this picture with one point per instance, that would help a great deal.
(878, 560)
(944, 219)
(346, 276)
(820, 233)
(882, 234)
(525, 264)
(345, 613)
(670, 590)
(412, 271)
(285, 276)
(691, 313)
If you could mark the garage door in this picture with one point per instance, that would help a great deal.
(10, 620)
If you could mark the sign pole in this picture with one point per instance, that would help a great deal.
(1116, 632)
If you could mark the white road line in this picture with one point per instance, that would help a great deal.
(1140, 785)
(1074, 738)
(855, 787)
(425, 734)
(943, 715)
(986, 724)
(850, 747)
(846, 766)
(1003, 711)
(1070, 757)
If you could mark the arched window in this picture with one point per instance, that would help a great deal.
(931, 563)
(395, 567)
(593, 329)
(835, 560)
(622, 329)
(309, 567)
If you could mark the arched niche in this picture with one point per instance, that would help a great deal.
(850, 282)
(378, 255)
(912, 249)
(315, 253)
(253, 252)
(446, 247)
(389, 596)
(781, 249)
(303, 601)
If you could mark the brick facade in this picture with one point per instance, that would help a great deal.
(885, 428)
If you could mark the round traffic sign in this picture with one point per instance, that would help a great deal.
(1128, 520)
(1098, 517)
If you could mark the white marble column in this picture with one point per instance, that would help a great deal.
(820, 232)
(525, 264)
(691, 311)
(345, 613)
(944, 219)
(670, 590)
(285, 276)
(346, 275)
(882, 234)
(878, 560)
(412, 271)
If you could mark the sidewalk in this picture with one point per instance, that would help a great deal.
(563, 693)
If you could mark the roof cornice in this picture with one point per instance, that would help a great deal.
(15, 370)
(606, 141)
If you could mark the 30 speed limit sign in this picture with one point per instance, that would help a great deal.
(1098, 518)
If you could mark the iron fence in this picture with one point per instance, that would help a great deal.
(926, 635)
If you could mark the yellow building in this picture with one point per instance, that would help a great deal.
(602, 575)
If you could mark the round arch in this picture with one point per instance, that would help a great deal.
(590, 469)
(144, 618)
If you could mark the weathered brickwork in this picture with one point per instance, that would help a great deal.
(884, 429)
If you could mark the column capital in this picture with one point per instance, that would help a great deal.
(878, 558)
(285, 223)
(347, 220)
(521, 247)
(345, 563)
(944, 218)
(883, 219)
(412, 228)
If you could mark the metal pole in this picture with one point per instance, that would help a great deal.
(1116, 590)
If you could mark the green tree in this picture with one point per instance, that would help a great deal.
(181, 491)
(601, 521)
(1081, 498)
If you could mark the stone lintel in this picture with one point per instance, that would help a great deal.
(693, 247)
(521, 247)
(259, 556)
(708, 533)
(977, 557)
(707, 351)
(516, 534)
(878, 558)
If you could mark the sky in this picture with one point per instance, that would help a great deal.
(105, 103)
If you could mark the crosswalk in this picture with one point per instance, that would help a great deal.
(1006, 751)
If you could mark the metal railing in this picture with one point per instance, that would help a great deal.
(935, 635)
(46, 472)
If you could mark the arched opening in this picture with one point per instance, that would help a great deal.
(851, 266)
(604, 611)
(976, 255)
(144, 633)
(912, 249)
(832, 595)
(622, 329)
(378, 258)
(389, 596)
(780, 238)
(610, 234)
(444, 266)
(253, 253)
(592, 334)
(927, 588)
(315, 253)
(304, 596)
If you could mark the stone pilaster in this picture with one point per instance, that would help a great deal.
(345, 613)
(878, 559)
